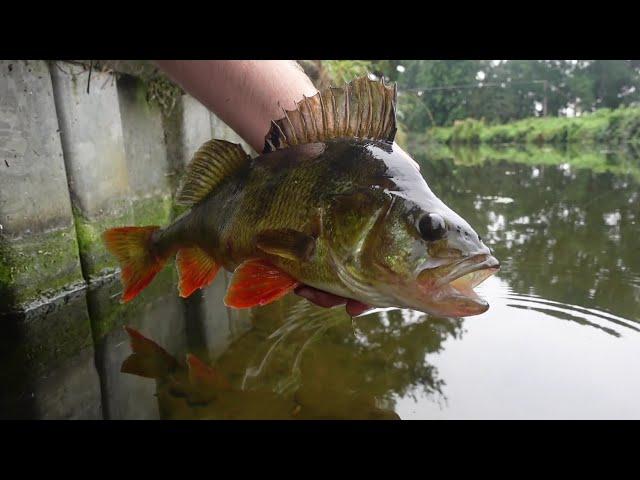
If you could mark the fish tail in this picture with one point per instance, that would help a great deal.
(148, 359)
(139, 260)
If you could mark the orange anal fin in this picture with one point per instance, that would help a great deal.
(202, 375)
(148, 358)
(257, 282)
(196, 269)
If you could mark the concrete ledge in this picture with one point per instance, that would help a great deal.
(42, 343)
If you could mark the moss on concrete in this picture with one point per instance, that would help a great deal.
(96, 260)
(41, 339)
(37, 267)
(164, 93)
(153, 211)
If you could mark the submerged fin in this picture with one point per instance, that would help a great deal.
(148, 358)
(202, 375)
(133, 248)
(257, 282)
(212, 163)
(286, 243)
(196, 269)
(363, 108)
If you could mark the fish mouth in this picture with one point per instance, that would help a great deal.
(452, 290)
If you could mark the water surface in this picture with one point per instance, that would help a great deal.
(561, 339)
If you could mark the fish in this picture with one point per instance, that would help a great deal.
(193, 389)
(332, 202)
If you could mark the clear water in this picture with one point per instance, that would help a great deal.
(561, 339)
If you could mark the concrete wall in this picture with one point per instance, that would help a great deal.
(81, 153)
(38, 248)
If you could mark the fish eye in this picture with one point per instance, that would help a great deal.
(432, 227)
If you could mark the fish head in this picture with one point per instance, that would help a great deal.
(421, 253)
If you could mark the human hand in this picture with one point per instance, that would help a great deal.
(328, 300)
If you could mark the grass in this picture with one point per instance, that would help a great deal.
(612, 127)
(620, 162)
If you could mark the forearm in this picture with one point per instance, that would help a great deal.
(245, 94)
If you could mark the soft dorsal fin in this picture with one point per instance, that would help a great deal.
(364, 108)
(213, 162)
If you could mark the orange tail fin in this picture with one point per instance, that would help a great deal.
(133, 248)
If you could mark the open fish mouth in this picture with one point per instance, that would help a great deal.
(453, 292)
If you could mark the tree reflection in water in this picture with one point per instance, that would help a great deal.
(565, 228)
(306, 362)
(564, 224)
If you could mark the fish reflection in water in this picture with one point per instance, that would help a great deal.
(300, 361)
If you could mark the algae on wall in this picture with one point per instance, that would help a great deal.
(38, 248)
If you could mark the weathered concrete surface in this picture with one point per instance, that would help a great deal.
(46, 362)
(186, 129)
(158, 313)
(38, 250)
(122, 161)
(94, 154)
(146, 154)
(70, 392)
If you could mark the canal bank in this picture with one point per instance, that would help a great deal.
(84, 147)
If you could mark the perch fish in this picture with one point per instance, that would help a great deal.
(332, 202)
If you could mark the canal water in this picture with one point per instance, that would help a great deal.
(560, 340)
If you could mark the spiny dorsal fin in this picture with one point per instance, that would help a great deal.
(213, 162)
(364, 108)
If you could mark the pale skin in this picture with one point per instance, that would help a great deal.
(247, 95)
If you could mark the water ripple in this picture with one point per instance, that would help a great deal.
(576, 313)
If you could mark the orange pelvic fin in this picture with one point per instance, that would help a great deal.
(202, 375)
(148, 358)
(133, 248)
(196, 269)
(257, 282)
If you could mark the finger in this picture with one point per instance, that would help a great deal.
(320, 298)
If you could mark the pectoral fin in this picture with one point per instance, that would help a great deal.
(257, 282)
(287, 243)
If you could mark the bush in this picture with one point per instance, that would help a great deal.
(603, 126)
